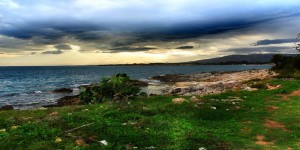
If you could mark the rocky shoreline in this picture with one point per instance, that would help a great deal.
(212, 83)
(186, 85)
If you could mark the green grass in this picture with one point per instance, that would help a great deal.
(157, 122)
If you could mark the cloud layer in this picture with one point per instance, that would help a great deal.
(201, 27)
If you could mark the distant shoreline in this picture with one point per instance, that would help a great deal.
(152, 64)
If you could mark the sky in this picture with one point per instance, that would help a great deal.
(92, 32)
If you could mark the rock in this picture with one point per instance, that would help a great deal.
(58, 140)
(176, 90)
(250, 89)
(80, 142)
(63, 90)
(270, 87)
(6, 107)
(152, 94)
(69, 100)
(172, 78)
(139, 83)
(104, 142)
(212, 107)
(194, 99)
(178, 100)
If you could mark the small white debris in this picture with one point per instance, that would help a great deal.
(124, 124)
(233, 103)
(104, 142)
(150, 147)
(212, 107)
(202, 148)
(2, 130)
(227, 109)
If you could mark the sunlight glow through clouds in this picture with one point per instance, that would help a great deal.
(73, 32)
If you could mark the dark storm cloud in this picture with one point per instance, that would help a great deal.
(254, 50)
(132, 49)
(185, 47)
(63, 47)
(53, 52)
(276, 41)
(120, 24)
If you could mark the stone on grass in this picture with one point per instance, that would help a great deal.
(104, 142)
(80, 142)
(58, 140)
(212, 107)
(178, 100)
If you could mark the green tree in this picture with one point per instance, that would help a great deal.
(277, 59)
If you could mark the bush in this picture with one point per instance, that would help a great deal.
(118, 88)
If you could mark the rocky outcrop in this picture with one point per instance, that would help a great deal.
(63, 90)
(171, 78)
(139, 83)
(215, 83)
(6, 107)
(69, 100)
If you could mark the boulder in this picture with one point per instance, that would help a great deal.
(6, 107)
(63, 90)
(178, 100)
(69, 100)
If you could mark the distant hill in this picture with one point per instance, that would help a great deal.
(240, 59)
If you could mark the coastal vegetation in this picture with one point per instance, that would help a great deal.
(117, 88)
(232, 120)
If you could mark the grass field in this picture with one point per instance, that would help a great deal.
(262, 119)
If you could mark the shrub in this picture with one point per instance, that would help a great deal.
(118, 88)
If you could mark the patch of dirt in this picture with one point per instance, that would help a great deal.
(295, 93)
(286, 97)
(271, 108)
(274, 125)
(260, 140)
(55, 113)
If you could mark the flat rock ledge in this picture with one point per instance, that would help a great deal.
(215, 83)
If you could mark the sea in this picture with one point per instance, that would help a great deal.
(30, 87)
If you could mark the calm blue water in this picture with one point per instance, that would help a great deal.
(26, 87)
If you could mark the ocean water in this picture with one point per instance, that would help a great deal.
(27, 87)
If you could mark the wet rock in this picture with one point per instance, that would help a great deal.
(66, 101)
(172, 78)
(6, 107)
(63, 90)
(139, 83)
